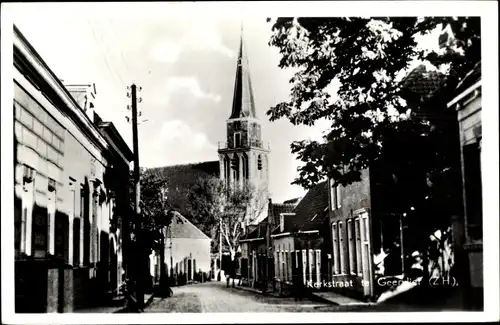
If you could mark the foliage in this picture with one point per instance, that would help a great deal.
(156, 214)
(178, 181)
(367, 56)
(379, 116)
(223, 207)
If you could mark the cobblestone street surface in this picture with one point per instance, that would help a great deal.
(213, 297)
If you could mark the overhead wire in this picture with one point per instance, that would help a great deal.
(105, 56)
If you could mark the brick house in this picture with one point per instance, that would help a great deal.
(300, 241)
(71, 192)
(467, 101)
(257, 262)
(367, 220)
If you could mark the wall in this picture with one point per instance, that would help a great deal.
(283, 246)
(350, 227)
(469, 117)
(51, 143)
(198, 249)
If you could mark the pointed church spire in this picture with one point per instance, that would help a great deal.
(243, 101)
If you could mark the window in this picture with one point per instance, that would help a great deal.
(335, 199)
(342, 250)
(304, 265)
(24, 217)
(51, 211)
(318, 265)
(336, 257)
(351, 235)
(73, 244)
(473, 190)
(278, 264)
(312, 265)
(283, 265)
(84, 226)
(282, 223)
(244, 161)
(95, 206)
(237, 140)
(359, 261)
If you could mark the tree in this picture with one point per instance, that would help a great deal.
(178, 181)
(376, 115)
(367, 56)
(156, 216)
(223, 208)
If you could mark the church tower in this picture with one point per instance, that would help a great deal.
(244, 159)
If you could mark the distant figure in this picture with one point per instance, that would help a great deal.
(298, 286)
(231, 272)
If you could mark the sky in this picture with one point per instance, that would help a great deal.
(185, 62)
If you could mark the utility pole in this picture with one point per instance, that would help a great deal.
(220, 243)
(139, 249)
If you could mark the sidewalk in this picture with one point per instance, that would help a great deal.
(341, 300)
(250, 289)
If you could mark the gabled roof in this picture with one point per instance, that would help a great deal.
(273, 218)
(314, 203)
(293, 201)
(277, 209)
(422, 82)
(183, 228)
(186, 170)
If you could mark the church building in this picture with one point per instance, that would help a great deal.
(243, 157)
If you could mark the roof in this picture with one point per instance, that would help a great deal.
(180, 179)
(277, 209)
(183, 228)
(115, 136)
(243, 100)
(422, 83)
(314, 203)
(293, 201)
(470, 79)
(184, 170)
(260, 230)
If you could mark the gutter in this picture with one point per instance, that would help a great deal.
(281, 235)
(300, 232)
(251, 239)
(464, 93)
(308, 232)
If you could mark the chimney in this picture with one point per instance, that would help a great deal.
(84, 95)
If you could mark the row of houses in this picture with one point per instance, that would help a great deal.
(353, 239)
(71, 191)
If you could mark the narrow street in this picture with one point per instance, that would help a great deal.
(212, 297)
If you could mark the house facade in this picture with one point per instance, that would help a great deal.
(301, 244)
(468, 105)
(257, 259)
(71, 192)
(187, 252)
